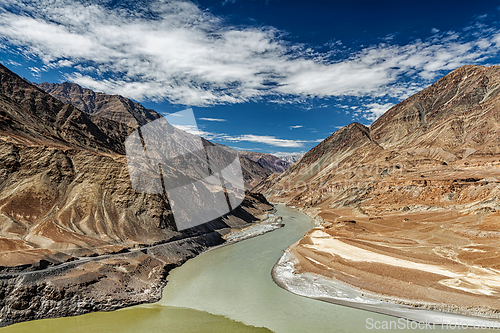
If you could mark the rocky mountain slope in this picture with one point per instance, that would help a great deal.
(30, 113)
(416, 193)
(70, 219)
(132, 114)
(115, 107)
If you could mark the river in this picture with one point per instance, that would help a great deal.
(228, 289)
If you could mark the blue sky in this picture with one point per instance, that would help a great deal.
(269, 76)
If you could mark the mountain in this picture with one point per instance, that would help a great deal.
(74, 234)
(30, 113)
(419, 186)
(114, 107)
(457, 112)
(132, 114)
(253, 172)
(267, 161)
(290, 158)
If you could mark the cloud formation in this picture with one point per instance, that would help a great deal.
(265, 139)
(213, 119)
(374, 110)
(176, 51)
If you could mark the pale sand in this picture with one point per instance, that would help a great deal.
(337, 292)
(477, 280)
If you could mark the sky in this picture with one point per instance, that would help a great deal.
(269, 76)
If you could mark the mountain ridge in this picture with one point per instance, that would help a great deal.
(114, 107)
(122, 110)
(267, 161)
(41, 116)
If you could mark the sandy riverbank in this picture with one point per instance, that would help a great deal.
(334, 291)
(270, 223)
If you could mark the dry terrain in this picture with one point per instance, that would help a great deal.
(409, 208)
(75, 236)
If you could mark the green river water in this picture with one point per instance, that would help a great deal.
(229, 289)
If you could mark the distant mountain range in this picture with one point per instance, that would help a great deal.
(268, 161)
(291, 159)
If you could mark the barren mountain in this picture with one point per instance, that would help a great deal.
(253, 172)
(70, 219)
(113, 107)
(30, 113)
(132, 114)
(267, 161)
(409, 206)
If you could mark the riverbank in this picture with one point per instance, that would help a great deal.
(427, 239)
(229, 282)
(334, 291)
(269, 223)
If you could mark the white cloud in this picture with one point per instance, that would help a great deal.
(193, 129)
(296, 126)
(267, 139)
(375, 110)
(176, 51)
(284, 153)
(213, 119)
(13, 63)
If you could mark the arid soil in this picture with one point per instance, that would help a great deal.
(440, 252)
(409, 207)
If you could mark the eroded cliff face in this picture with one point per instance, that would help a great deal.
(74, 235)
(409, 206)
(114, 278)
